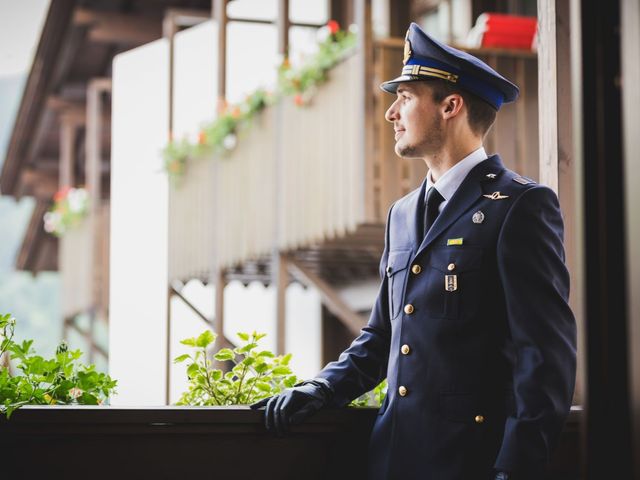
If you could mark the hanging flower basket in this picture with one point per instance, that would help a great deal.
(70, 208)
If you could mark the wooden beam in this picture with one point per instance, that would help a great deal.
(45, 60)
(32, 237)
(39, 184)
(118, 28)
(330, 297)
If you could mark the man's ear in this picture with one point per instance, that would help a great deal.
(452, 105)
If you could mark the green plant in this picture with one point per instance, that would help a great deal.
(303, 82)
(60, 380)
(373, 398)
(255, 374)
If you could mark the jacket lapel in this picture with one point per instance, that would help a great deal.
(469, 192)
(413, 216)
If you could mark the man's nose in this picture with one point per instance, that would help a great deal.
(391, 114)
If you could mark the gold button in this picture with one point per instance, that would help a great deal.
(479, 419)
(402, 391)
(405, 349)
(416, 269)
(451, 267)
(408, 309)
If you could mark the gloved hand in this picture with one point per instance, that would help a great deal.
(294, 404)
(503, 476)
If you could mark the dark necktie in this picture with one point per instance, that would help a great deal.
(434, 199)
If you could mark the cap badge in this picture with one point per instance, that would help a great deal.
(407, 49)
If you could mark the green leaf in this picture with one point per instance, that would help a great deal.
(286, 359)
(243, 336)
(224, 354)
(205, 338)
(263, 386)
(281, 370)
(189, 341)
(261, 367)
(181, 358)
(192, 370)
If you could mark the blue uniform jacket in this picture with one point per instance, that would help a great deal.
(472, 330)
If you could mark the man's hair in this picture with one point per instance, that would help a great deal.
(481, 114)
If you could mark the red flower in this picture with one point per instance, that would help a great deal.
(202, 137)
(298, 100)
(333, 26)
(61, 194)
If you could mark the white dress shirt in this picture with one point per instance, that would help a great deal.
(449, 182)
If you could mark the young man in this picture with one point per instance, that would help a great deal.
(471, 326)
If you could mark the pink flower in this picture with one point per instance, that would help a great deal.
(333, 26)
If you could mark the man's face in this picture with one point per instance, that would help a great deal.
(417, 122)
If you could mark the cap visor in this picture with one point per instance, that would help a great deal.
(392, 85)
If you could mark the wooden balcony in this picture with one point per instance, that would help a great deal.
(298, 181)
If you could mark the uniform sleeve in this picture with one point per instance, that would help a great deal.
(363, 365)
(543, 333)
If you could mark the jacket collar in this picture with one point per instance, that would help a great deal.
(469, 192)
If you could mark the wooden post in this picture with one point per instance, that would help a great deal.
(219, 308)
(365, 49)
(599, 135)
(557, 160)
(220, 14)
(67, 151)
(175, 18)
(630, 36)
(283, 28)
(281, 281)
(93, 173)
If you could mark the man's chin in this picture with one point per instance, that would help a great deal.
(406, 151)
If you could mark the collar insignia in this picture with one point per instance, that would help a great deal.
(496, 196)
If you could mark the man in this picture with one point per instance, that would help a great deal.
(471, 326)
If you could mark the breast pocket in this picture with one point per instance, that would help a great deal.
(397, 274)
(454, 283)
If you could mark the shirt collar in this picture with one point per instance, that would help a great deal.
(449, 182)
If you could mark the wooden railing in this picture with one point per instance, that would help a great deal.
(295, 178)
(202, 442)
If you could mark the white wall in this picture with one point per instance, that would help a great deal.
(138, 263)
(195, 79)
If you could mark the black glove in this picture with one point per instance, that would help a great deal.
(294, 404)
(503, 476)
